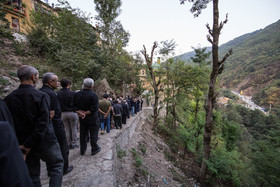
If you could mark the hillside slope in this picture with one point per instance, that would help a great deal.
(254, 66)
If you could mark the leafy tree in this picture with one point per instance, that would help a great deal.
(66, 39)
(201, 56)
(113, 39)
(217, 68)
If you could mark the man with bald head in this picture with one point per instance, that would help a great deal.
(31, 115)
(86, 105)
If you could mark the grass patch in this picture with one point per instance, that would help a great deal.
(12, 73)
(4, 82)
(144, 172)
(138, 161)
(134, 152)
(143, 149)
(178, 177)
(121, 153)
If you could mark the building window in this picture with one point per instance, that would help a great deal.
(15, 24)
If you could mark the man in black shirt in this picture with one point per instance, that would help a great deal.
(5, 114)
(30, 111)
(118, 111)
(12, 167)
(70, 119)
(50, 82)
(86, 106)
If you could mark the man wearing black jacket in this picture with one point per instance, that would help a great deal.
(86, 105)
(30, 111)
(50, 82)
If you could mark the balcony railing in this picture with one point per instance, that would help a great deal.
(15, 10)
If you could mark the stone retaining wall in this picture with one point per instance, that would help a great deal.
(100, 170)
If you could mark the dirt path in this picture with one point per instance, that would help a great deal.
(142, 162)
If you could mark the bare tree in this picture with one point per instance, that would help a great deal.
(155, 82)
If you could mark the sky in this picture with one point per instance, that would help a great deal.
(159, 20)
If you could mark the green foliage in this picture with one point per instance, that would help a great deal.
(67, 40)
(201, 56)
(20, 48)
(121, 153)
(255, 62)
(5, 32)
(266, 159)
(225, 165)
(4, 81)
(138, 161)
(143, 148)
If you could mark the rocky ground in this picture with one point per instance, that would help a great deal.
(144, 162)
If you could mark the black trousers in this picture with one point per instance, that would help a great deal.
(64, 147)
(92, 128)
(118, 121)
(124, 119)
(54, 161)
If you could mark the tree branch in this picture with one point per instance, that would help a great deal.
(210, 31)
(209, 39)
(222, 23)
(225, 57)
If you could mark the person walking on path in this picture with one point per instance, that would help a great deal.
(50, 83)
(104, 110)
(31, 116)
(117, 110)
(69, 117)
(86, 106)
(125, 112)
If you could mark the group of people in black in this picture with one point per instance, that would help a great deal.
(115, 111)
(42, 125)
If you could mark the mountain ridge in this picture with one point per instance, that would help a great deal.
(254, 66)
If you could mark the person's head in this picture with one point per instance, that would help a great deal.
(105, 96)
(65, 83)
(50, 79)
(27, 73)
(88, 83)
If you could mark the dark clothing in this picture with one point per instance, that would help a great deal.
(30, 111)
(125, 113)
(118, 110)
(53, 158)
(87, 100)
(54, 105)
(65, 97)
(118, 121)
(12, 167)
(58, 124)
(69, 118)
(5, 114)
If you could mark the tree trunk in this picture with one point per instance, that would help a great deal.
(156, 107)
(209, 123)
(196, 111)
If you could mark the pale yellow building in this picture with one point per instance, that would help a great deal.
(18, 12)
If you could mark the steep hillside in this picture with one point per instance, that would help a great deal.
(254, 66)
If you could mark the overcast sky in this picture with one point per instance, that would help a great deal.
(158, 20)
